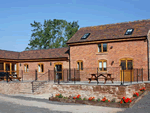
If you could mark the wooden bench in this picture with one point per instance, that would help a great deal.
(94, 77)
(18, 78)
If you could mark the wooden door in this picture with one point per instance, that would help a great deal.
(127, 67)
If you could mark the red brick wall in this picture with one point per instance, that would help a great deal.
(42, 76)
(137, 50)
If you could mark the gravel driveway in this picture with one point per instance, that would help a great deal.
(19, 104)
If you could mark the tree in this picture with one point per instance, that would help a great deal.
(52, 34)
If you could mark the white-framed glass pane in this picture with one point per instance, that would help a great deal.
(100, 66)
(15, 67)
(105, 65)
(78, 65)
(39, 69)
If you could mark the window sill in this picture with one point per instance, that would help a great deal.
(102, 53)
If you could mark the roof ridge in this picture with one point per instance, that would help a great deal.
(9, 51)
(45, 49)
(116, 23)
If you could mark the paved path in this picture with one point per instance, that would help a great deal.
(19, 104)
(142, 106)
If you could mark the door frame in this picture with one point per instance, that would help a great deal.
(126, 59)
(59, 63)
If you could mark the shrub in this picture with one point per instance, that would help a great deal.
(98, 100)
(125, 100)
(91, 99)
(142, 89)
(59, 95)
(113, 100)
(78, 97)
(105, 100)
(136, 94)
(84, 99)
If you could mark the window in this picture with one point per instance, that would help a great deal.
(26, 68)
(102, 65)
(80, 65)
(102, 47)
(40, 68)
(129, 31)
(85, 36)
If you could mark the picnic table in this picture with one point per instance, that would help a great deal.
(95, 77)
(3, 76)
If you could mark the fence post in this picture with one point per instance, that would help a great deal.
(7, 76)
(35, 75)
(54, 75)
(63, 74)
(97, 76)
(32, 87)
(131, 75)
(67, 75)
(22, 74)
(48, 75)
(123, 76)
(142, 74)
(137, 75)
(74, 75)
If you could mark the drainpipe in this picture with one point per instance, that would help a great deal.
(69, 66)
(148, 55)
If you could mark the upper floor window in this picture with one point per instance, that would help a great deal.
(102, 65)
(102, 47)
(40, 68)
(26, 68)
(80, 65)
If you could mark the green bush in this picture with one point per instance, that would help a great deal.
(84, 99)
(113, 100)
(93, 99)
(60, 96)
(98, 100)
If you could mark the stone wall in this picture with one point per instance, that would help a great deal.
(98, 91)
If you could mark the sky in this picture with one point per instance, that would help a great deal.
(16, 16)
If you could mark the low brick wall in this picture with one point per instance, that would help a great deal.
(98, 91)
(14, 88)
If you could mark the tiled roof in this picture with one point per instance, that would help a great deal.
(35, 54)
(9, 54)
(112, 31)
(45, 53)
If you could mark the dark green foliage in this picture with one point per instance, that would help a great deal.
(60, 96)
(84, 99)
(52, 34)
(98, 100)
(93, 99)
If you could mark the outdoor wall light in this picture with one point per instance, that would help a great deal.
(20, 64)
(111, 47)
(112, 62)
(50, 63)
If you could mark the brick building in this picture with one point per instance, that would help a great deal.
(104, 48)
